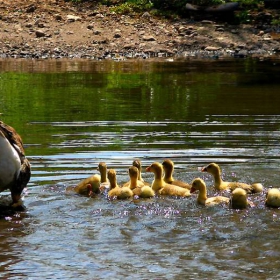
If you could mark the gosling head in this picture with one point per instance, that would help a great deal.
(238, 199)
(155, 167)
(111, 174)
(137, 163)
(168, 164)
(197, 185)
(133, 172)
(211, 168)
(101, 166)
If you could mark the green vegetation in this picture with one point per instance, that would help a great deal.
(176, 8)
(175, 5)
(131, 6)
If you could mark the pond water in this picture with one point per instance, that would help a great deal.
(74, 114)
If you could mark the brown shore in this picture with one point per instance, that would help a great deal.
(58, 29)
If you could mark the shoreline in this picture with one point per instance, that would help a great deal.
(57, 30)
(186, 55)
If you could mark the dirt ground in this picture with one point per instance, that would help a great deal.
(57, 29)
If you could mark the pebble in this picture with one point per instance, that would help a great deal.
(148, 38)
(30, 9)
(40, 33)
(58, 17)
(97, 32)
(72, 18)
(213, 49)
(146, 15)
(207, 22)
(117, 35)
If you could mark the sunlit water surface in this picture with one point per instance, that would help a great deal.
(74, 114)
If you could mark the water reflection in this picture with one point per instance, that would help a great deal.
(12, 228)
(74, 114)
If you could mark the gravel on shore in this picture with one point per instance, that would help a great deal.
(58, 29)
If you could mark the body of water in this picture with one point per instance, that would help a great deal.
(74, 114)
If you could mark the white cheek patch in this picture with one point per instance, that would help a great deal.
(9, 163)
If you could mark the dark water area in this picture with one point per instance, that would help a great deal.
(74, 114)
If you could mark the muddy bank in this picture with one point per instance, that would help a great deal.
(58, 29)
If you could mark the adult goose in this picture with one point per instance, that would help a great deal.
(15, 168)
(221, 185)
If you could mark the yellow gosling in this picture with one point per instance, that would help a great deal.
(239, 199)
(88, 186)
(102, 168)
(137, 163)
(138, 187)
(92, 184)
(116, 191)
(104, 182)
(135, 181)
(168, 167)
(273, 198)
(162, 188)
(220, 185)
(199, 185)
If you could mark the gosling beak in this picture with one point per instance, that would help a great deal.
(148, 169)
(192, 190)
